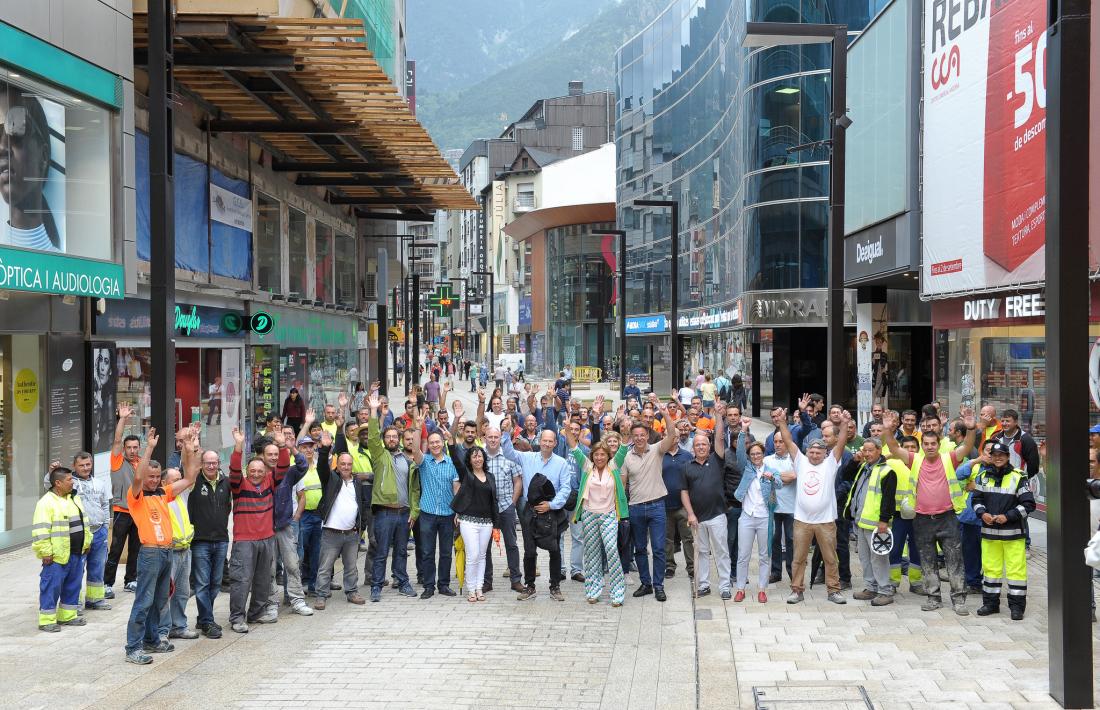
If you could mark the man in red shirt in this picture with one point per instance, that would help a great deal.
(252, 561)
(939, 497)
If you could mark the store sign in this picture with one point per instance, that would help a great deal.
(873, 251)
(230, 208)
(1029, 305)
(646, 324)
(309, 329)
(41, 272)
(708, 318)
(801, 307)
(130, 318)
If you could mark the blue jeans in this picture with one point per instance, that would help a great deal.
(432, 528)
(391, 528)
(309, 547)
(647, 525)
(154, 574)
(96, 560)
(207, 565)
(173, 615)
(971, 536)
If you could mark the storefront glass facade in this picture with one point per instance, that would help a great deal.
(578, 297)
(727, 352)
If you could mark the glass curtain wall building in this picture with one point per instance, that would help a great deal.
(706, 122)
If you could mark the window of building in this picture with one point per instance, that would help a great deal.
(57, 195)
(297, 258)
(268, 244)
(578, 138)
(324, 268)
(345, 269)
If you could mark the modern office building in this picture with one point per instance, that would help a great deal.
(707, 123)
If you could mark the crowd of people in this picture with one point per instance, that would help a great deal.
(920, 494)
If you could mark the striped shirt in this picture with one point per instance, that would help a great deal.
(34, 238)
(436, 485)
(504, 473)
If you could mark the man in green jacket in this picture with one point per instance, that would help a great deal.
(395, 500)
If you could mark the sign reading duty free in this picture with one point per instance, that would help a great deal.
(65, 275)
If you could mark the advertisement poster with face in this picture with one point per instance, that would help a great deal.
(32, 170)
(102, 394)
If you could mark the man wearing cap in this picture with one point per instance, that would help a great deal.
(1094, 436)
(1003, 501)
(309, 522)
(871, 505)
(939, 500)
(60, 539)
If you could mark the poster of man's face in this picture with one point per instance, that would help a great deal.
(103, 382)
(32, 170)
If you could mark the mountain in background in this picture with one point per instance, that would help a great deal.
(457, 43)
(457, 116)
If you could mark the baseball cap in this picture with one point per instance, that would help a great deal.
(999, 447)
(1094, 429)
(306, 440)
(817, 444)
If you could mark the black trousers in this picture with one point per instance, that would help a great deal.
(531, 550)
(123, 532)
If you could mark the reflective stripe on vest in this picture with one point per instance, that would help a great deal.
(311, 484)
(182, 529)
(361, 461)
(873, 500)
(958, 493)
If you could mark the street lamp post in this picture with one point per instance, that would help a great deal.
(395, 344)
(489, 320)
(768, 34)
(466, 308)
(413, 303)
(674, 330)
(621, 234)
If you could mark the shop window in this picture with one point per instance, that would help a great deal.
(268, 244)
(323, 266)
(56, 195)
(22, 434)
(345, 269)
(298, 257)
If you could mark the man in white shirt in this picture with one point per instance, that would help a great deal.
(815, 507)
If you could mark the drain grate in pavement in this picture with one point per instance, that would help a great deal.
(703, 615)
(821, 697)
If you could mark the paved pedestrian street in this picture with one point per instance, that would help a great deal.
(449, 653)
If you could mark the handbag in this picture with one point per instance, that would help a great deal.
(1092, 551)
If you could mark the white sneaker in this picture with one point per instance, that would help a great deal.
(269, 617)
(301, 608)
(240, 627)
(794, 598)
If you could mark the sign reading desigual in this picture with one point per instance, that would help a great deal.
(53, 273)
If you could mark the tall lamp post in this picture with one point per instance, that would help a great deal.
(489, 320)
(621, 234)
(412, 363)
(677, 346)
(1068, 131)
(768, 34)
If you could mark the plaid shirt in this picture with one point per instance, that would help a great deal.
(504, 473)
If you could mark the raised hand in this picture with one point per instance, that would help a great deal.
(746, 423)
(447, 386)
(374, 402)
(125, 411)
(889, 421)
(376, 386)
(280, 439)
(481, 395)
(238, 436)
(968, 420)
(804, 401)
(846, 416)
(152, 439)
(342, 401)
(326, 438)
(597, 405)
(720, 408)
(311, 416)
(459, 410)
(779, 416)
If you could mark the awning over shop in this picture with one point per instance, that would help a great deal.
(311, 91)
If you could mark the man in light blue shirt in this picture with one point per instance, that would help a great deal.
(438, 481)
(558, 472)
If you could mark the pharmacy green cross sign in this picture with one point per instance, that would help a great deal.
(443, 301)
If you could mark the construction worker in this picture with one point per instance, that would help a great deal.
(1002, 500)
(309, 524)
(60, 540)
(173, 614)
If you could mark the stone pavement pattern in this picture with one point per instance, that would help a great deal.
(448, 653)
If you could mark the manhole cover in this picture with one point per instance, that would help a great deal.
(703, 614)
(821, 697)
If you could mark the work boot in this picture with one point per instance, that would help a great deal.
(98, 605)
(882, 600)
(50, 628)
(518, 587)
(75, 621)
(1016, 607)
(931, 604)
(527, 593)
(864, 595)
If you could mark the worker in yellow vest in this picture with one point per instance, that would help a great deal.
(60, 539)
(309, 524)
(173, 615)
(872, 503)
(938, 499)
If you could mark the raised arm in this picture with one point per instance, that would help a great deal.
(480, 403)
(443, 390)
(842, 439)
(125, 411)
(672, 435)
(417, 425)
(889, 426)
(720, 429)
(311, 416)
(151, 440)
(508, 450)
(190, 460)
(779, 419)
(963, 451)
